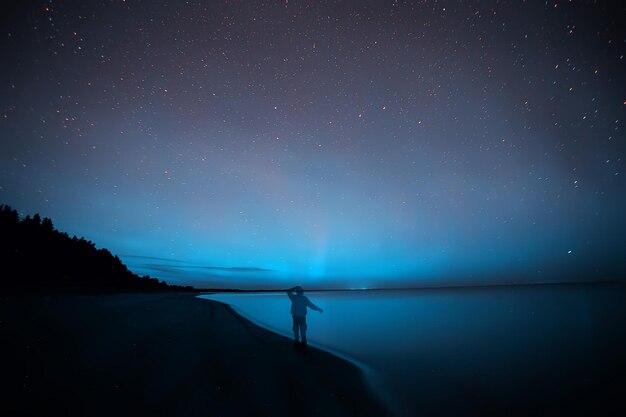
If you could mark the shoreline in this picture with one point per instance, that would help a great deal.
(369, 374)
(359, 364)
(166, 353)
(536, 350)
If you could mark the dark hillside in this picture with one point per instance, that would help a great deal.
(33, 255)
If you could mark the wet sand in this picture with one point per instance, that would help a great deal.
(163, 354)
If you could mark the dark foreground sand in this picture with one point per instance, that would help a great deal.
(162, 354)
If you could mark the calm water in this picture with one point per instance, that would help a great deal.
(537, 350)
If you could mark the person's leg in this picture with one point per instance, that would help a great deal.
(303, 332)
(295, 329)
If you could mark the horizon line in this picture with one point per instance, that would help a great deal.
(427, 287)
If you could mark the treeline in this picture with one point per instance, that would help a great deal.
(33, 255)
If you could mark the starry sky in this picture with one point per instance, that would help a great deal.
(347, 144)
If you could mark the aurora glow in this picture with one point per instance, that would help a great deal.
(349, 144)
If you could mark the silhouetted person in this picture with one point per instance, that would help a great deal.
(299, 304)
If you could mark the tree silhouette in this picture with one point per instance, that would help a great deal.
(33, 255)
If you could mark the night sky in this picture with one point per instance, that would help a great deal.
(332, 144)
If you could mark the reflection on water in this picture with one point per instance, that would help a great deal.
(540, 350)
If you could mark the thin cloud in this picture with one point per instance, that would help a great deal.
(167, 266)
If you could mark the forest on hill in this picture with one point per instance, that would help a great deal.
(34, 255)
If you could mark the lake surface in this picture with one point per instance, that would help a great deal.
(525, 350)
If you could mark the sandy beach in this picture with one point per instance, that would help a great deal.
(163, 354)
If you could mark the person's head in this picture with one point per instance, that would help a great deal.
(299, 290)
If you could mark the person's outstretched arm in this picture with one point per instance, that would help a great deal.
(313, 306)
